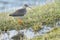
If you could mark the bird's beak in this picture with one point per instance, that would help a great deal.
(30, 7)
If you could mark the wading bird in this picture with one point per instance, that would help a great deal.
(20, 13)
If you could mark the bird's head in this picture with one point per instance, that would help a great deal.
(26, 5)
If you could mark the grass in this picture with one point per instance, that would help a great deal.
(48, 14)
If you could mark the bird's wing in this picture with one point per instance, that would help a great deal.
(19, 12)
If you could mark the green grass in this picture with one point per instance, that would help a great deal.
(48, 14)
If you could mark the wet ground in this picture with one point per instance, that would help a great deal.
(29, 33)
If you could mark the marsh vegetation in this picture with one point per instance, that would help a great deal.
(48, 14)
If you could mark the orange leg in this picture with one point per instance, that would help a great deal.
(20, 21)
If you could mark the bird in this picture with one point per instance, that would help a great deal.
(20, 13)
